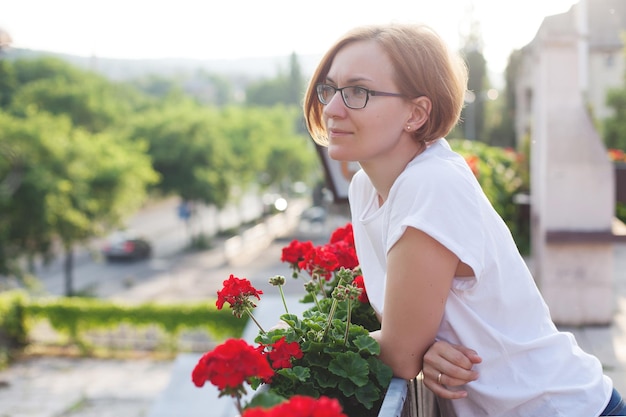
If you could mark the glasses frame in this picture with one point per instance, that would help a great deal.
(368, 92)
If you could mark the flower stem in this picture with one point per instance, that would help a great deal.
(238, 404)
(254, 320)
(345, 340)
(317, 302)
(331, 313)
(317, 277)
(282, 296)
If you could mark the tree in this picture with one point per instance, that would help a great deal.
(8, 83)
(202, 154)
(75, 185)
(283, 89)
(91, 101)
(191, 154)
(473, 115)
(501, 130)
(268, 143)
(615, 125)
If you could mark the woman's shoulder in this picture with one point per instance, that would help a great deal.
(437, 168)
(360, 185)
(441, 178)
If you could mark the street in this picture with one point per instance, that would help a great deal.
(175, 272)
(169, 236)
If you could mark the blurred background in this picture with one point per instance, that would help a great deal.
(150, 148)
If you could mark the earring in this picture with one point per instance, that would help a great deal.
(408, 127)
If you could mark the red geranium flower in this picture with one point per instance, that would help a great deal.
(321, 260)
(229, 365)
(237, 293)
(359, 283)
(343, 234)
(345, 253)
(472, 161)
(282, 352)
(617, 155)
(295, 252)
(301, 406)
(257, 412)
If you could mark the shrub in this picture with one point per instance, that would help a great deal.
(74, 316)
(499, 172)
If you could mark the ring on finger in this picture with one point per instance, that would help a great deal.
(439, 378)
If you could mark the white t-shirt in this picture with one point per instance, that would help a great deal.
(529, 368)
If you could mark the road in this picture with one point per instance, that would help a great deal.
(169, 236)
(173, 272)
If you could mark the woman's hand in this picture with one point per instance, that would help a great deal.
(446, 365)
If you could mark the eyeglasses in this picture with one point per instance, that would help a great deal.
(353, 97)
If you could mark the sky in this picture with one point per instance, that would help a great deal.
(230, 29)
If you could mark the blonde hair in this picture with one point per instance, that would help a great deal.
(424, 66)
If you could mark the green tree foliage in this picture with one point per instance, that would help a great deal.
(187, 149)
(8, 83)
(501, 121)
(266, 142)
(473, 115)
(77, 152)
(88, 99)
(203, 153)
(204, 87)
(615, 125)
(286, 89)
(501, 177)
(73, 184)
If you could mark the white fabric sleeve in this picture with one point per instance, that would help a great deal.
(444, 202)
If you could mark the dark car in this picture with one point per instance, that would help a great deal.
(126, 246)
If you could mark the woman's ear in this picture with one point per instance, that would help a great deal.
(420, 112)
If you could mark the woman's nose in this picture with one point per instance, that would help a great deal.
(335, 107)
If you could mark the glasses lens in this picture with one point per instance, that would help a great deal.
(355, 97)
(325, 93)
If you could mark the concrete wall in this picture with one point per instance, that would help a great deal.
(572, 190)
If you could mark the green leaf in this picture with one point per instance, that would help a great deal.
(265, 399)
(367, 395)
(317, 360)
(325, 379)
(347, 388)
(382, 371)
(367, 344)
(308, 389)
(352, 366)
(297, 373)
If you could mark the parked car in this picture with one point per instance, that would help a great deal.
(314, 214)
(126, 245)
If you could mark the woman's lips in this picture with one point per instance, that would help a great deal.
(339, 132)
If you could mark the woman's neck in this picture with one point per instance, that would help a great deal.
(384, 171)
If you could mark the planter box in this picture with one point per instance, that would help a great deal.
(409, 399)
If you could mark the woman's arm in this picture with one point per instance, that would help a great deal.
(419, 277)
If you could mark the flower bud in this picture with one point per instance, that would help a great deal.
(277, 280)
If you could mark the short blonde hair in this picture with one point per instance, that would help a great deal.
(424, 66)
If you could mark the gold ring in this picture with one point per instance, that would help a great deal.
(439, 378)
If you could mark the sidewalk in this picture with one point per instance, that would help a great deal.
(86, 387)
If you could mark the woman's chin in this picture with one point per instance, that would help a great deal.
(338, 154)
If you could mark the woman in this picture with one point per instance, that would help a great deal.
(437, 260)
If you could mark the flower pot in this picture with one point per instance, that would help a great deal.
(409, 399)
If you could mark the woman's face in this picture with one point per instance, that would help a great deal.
(377, 130)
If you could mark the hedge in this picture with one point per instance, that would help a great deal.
(75, 316)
